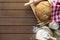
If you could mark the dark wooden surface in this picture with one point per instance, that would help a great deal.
(15, 36)
(16, 29)
(16, 20)
(14, 1)
(13, 6)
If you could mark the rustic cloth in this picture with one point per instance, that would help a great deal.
(55, 10)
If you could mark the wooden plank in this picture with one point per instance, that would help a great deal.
(16, 13)
(14, 0)
(17, 21)
(15, 36)
(16, 29)
(13, 6)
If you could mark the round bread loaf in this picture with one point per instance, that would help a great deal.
(43, 11)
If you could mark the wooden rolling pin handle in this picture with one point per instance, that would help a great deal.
(52, 38)
(26, 4)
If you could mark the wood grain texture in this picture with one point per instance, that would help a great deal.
(17, 21)
(13, 6)
(14, 0)
(16, 29)
(15, 36)
(16, 13)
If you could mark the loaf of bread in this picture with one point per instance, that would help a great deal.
(43, 10)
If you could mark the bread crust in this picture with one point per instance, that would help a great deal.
(43, 10)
